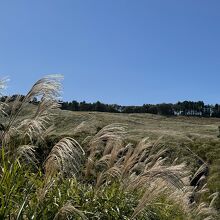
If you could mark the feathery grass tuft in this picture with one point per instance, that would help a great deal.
(65, 157)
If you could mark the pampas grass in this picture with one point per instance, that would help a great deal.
(65, 157)
(105, 178)
(26, 153)
(48, 90)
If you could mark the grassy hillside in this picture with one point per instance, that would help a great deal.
(183, 135)
(178, 133)
(139, 125)
(58, 164)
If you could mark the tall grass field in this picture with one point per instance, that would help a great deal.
(57, 164)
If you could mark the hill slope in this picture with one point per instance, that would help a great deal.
(140, 125)
(191, 139)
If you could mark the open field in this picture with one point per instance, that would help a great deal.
(139, 125)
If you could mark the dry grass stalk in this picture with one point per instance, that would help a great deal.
(48, 89)
(141, 167)
(202, 169)
(35, 127)
(144, 167)
(67, 210)
(113, 132)
(108, 139)
(150, 196)
(65, 157)
(27, 153)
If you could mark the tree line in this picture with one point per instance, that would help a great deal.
(185, 108)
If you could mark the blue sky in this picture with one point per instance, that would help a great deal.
(116, 51)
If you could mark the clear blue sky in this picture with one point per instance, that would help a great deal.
(116, 51)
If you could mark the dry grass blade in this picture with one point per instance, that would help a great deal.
(209, 218)
(196, 177)
(65, 157)
(214, 196)
(67, 210)
(42, 192)
(26, 153)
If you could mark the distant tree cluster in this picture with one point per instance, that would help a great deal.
(186, 108)
(84, 106)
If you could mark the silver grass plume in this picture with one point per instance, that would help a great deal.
(108, 140)
(153, 175)
(65, 158)
(36, 126)
(112, 132)
(48, 89)
(144, 167)
(171, 174)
